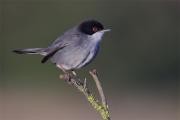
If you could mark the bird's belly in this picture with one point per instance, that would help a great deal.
(86, 60)
(70, 58)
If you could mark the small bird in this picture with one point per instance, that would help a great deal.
(74, 49)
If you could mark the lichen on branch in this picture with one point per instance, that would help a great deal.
(101, 107)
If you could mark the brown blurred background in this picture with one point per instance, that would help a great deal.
(138, 60)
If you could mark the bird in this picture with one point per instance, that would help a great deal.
(75, 48)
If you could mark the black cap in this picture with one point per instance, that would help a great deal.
(90, 27)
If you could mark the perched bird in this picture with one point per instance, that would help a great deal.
(75, 48)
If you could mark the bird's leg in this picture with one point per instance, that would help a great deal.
(60, 66)
(78, 79)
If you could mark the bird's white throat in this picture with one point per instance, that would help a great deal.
(96, 37)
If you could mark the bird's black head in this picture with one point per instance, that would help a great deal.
(90, 27)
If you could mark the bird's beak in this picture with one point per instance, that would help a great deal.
(106, 30)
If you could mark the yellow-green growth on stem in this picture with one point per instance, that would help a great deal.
(103, 110)
(100, 107)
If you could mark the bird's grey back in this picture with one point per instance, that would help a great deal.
(67, 37)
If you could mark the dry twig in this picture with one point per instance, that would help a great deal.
(101, 107)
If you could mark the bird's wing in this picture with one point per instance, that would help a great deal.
(52, 52)
(61, 42)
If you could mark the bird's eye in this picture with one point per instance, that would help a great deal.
(94, 29)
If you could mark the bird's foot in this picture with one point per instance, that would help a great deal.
(67, 77)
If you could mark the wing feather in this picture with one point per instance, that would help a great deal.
(50, 54)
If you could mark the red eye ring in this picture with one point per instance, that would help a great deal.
(94, 29)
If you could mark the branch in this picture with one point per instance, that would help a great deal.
(100, 107)
(94, 74)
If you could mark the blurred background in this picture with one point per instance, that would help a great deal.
(137, 63)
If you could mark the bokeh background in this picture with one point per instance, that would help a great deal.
(137, 64)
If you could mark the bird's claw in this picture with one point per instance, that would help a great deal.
(67, 77)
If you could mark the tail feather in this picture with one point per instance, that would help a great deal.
(30, 51)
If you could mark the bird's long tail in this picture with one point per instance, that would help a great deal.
(40, 51)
